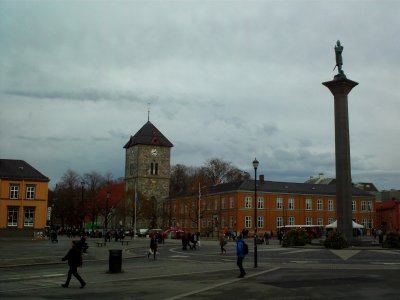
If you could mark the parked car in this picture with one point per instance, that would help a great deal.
(175, 233)
(143, 232)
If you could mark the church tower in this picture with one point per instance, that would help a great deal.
(147, 163)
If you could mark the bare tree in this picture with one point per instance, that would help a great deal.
(94, 182)
(67, 198)
(219, 171)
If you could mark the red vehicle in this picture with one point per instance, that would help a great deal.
(157, 232)
(175, 232)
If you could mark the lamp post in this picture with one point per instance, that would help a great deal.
(198, 211)
(106, 216)
(255, 165)
(370, 219)
(82, 207)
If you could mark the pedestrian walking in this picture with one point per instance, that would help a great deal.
(222, 243)
(240, 252)
(153, 246)
(266, 238)
(74, 257)
(53, 236)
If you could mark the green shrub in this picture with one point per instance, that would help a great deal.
(392, 240)
(335, 240)
(295, 238)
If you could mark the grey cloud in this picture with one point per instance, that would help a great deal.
(84, 95)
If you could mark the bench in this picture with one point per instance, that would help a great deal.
(100, 244)
(126, 242)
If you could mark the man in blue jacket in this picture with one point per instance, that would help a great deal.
(240, 255)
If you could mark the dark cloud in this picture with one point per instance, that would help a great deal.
(240, 84)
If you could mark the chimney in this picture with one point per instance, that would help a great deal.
(261, 179)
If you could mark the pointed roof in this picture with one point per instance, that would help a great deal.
(14, 169)
(148, 135)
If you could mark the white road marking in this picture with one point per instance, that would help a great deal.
(218, 285)
(344, 254)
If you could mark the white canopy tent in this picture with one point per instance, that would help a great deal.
(334, 225)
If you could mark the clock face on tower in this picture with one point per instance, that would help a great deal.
(154, 152)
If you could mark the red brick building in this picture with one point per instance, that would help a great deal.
(388, 215)
(230, 206)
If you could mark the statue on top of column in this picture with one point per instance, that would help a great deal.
(339, 60)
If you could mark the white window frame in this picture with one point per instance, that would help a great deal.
(308, 204)
(279, 203)
(248, 202)
(231, 202)
(291, 220)
(320, 204)
(260, 222)
(14, 191)
(330, 220)
(279, 221)
(320, 221)
(364, 222)
(370, 223)
(247, 222)
(330, 205)
(291, 204)
(353, 205)
(308, 220)
(29, 217)
(260, 202)
(363, 205)
(12, 216)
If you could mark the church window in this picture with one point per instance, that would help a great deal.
(154, 168)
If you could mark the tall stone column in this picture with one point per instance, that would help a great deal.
(340, 87)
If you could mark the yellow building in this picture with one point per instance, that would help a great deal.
(23, 198)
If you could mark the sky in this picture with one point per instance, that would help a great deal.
(232, 80)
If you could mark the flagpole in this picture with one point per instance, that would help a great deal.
(134, 226)
(198, 210)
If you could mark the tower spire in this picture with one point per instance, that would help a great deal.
(148, 112)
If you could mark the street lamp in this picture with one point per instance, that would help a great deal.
(106, 217)
(255, 165)
(82, 207)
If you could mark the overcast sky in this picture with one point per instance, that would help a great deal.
(228, 79)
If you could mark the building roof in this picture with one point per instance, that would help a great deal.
(20, 170)
(321, 179)
(366, 186)
(148, 135)
(281, 188)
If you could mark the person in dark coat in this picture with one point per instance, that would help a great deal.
(153, 246)
(74, 257)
